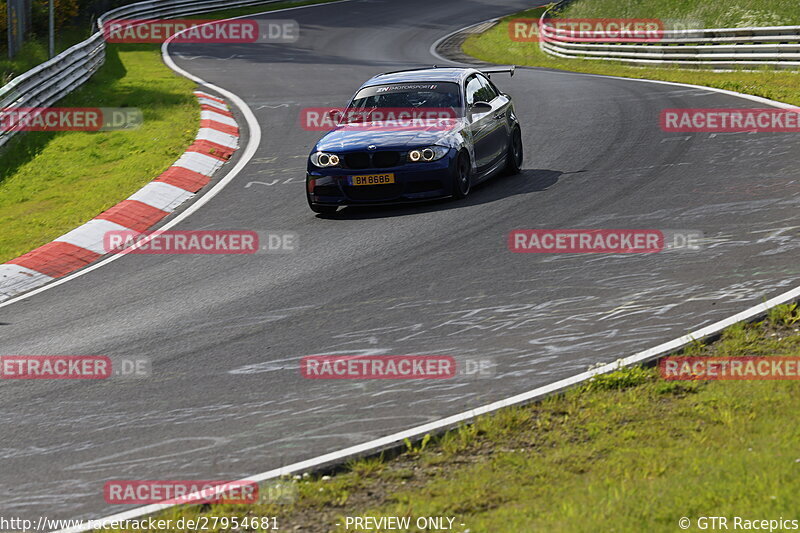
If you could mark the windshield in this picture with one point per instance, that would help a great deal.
(406, 96)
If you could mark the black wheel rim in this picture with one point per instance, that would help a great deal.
(463, 176)
(517, 149)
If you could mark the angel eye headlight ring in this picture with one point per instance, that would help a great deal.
(325, 160)
(428, 154)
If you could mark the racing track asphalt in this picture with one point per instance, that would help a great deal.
(225, 333)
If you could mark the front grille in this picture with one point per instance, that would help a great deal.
(374, 193)
(385, 159)
(357, 160)
(362, 160)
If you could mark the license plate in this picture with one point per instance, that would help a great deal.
(372, 179)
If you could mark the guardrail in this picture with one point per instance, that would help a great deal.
(49, 82)
(777, 46)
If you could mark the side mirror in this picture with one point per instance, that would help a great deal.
(480, 107)
(335, 115)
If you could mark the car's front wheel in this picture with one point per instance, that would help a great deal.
(461, 176)
(515, 155)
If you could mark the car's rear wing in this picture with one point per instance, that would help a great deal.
(499, 70)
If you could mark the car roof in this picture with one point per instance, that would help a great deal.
(424, 74)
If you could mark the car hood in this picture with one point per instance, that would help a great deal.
(361, 136)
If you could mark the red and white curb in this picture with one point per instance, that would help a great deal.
(214, 145)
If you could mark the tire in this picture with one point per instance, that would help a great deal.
(461, 177)
(515, 153)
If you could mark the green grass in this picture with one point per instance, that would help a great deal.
(726, 14)
(51, 183)
(35, 51)
(495, 46)
(626, 452)
(240, 11)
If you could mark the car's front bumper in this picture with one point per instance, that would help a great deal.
(414, 182)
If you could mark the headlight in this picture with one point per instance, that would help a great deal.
(426, 155)
(324, 160)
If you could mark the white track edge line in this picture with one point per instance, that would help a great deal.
(537, 393)
(433, 49)
(250, 150)
(253, 143)
(751, 97)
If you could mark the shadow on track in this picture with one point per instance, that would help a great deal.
(497, 188)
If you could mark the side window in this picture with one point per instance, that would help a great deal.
(473, 89)
(488, 93)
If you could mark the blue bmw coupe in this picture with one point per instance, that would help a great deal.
(415, 135)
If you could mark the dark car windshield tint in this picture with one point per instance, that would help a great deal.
(432, 95)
